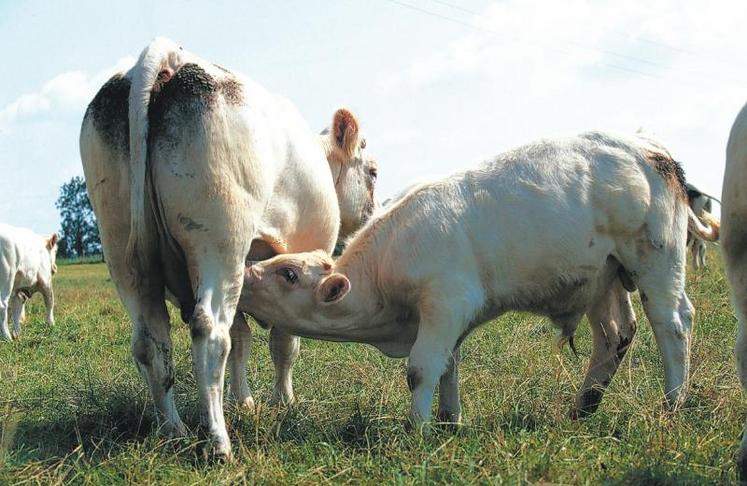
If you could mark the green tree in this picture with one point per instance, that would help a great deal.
(80, 233)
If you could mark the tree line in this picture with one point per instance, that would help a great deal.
(79, 232)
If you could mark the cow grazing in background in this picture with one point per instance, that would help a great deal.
(734, 248)
(192, 171)
(27, 263)
(701, 204)
(547, 228)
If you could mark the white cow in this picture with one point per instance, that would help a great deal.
(191, 171)
(734, 248)
(547, 228)
(27, 263)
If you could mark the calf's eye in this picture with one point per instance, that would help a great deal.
(288, 274)
(373, 173)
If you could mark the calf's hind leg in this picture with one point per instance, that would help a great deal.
(613, 328)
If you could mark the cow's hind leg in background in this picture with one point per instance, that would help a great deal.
(613, 327)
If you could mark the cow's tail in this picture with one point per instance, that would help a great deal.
(707, 229)
(156, 65)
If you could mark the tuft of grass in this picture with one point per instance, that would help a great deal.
(73, 408)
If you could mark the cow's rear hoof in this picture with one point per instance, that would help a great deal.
(450, 421)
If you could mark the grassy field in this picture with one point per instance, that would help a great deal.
(74, 409)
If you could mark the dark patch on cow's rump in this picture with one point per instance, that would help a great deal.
(110, 112)
(188, 94)
(671, 171)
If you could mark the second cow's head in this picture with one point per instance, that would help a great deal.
(354, 171)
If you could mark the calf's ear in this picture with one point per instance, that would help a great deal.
(345, 131)
(332, 289)
(52, 241)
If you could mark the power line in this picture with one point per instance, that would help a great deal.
(555, 48)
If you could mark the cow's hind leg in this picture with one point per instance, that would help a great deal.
(152, 351)
(284, 349)
(613, 328)
(219, 282)
(241, 339)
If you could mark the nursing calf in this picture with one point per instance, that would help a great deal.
(559, 228)
(27, 263)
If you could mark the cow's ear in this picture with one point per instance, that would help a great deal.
(345, 131)
(52, 241)
(333, 289)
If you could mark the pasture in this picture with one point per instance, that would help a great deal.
(74, 409)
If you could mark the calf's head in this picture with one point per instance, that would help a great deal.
(354, 171)
(295, 289)
(51, 247)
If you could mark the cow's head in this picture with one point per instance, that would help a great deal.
(52, 249)
(354, 171)
(295, 289)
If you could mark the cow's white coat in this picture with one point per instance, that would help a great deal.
(228, 172)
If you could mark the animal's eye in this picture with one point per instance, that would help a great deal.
(288, 274)
(363, 143)
(373, 172)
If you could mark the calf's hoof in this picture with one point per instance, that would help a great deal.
(246, 405)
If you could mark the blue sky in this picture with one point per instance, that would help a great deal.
(437, 85)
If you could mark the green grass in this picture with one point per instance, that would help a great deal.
(74, 409)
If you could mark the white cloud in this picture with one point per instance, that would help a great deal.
(65, 93)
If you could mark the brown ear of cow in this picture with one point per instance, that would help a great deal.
(52, 241)
(345, 131)
(333, 289)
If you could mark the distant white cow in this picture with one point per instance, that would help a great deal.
(546, 228)
(192, 170)
(734, 248)
(701, 204)
(27, 263)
